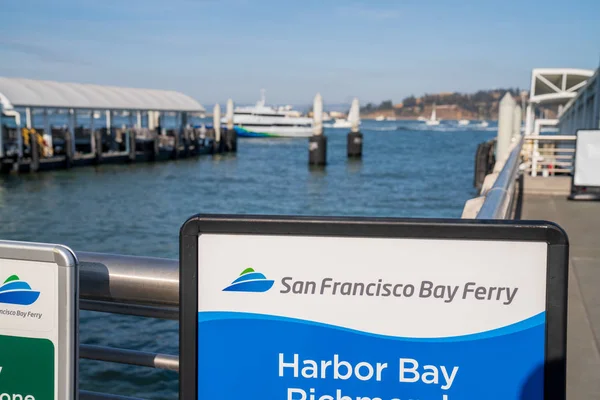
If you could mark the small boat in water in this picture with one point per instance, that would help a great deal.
(463, 122)
(380, 118)
(433, 121)
(341, 123)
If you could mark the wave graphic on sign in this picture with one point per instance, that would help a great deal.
(250, 281)
(524, 325)
(16, 291)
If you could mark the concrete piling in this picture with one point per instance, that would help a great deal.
(317, 144)
(505, 127)
(355, 137)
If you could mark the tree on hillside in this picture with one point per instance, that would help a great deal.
(410, 101)
(386, 105)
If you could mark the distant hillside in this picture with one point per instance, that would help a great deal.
(480, 105)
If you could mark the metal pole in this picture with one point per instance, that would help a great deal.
(505, 128)
(139, 119)
(28, 118)
(528, 119)
(597, 101)
(92, 141)
(48, 132)
(1, 133)
(142, 281)
(87, 395)
(130, 357)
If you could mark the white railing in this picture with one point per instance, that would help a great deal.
(548, 155)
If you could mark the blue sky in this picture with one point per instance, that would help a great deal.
(375, 49)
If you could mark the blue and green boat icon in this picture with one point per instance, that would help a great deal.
(250, 281)
(16, 291)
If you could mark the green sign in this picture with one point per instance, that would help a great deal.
(26, 368)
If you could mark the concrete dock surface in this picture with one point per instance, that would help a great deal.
(546, 198)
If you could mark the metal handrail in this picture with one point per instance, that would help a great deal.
(130, 285)
(130, 357)
(498, 200)
(87, 395)
(139, 281)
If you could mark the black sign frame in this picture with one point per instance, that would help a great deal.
(496, 230)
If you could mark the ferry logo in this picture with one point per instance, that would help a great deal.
(250, 281)
(16, 291)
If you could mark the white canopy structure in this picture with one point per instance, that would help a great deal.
(18, 92)
(555, 86)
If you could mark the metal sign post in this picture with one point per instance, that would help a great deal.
(585, 184)
(301, 308)
(38, 321)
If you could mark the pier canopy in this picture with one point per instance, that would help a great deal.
(19, 92)
(557, 85)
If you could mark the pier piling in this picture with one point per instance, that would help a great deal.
(132, 149)
(34, 148)
(217, 145)
(317, 144)
(505, 127)
(68, 148)
(355, 137)
(98, 146)
(230, 133)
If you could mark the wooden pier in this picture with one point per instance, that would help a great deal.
(52, 125)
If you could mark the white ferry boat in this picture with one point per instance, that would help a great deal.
(261, 120)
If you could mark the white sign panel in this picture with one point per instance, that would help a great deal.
(38, 317)
(309, 317)
(587, 158)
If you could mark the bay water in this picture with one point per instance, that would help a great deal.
(407, 170)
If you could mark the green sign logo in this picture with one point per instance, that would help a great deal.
(16, 291)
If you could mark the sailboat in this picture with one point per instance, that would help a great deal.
(433, 121)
